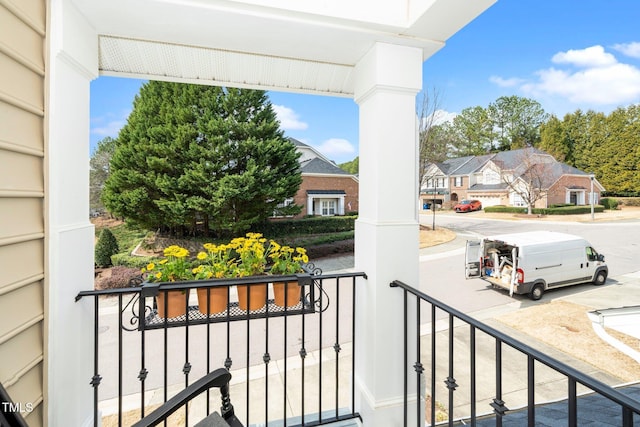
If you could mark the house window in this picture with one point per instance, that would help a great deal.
(457, 181)
(328, 207)
(490, 177)
(436, 182)
(518, 200)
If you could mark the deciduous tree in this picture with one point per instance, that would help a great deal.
(530, 180)
(99, 171)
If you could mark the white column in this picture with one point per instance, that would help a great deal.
(310, 210)
(388, 79)
(73, 56)
(341, 205)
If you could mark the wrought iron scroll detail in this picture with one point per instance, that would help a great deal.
(321, 303)
(135, 319)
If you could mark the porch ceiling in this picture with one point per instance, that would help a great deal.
(271, 44)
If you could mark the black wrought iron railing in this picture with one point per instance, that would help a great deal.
(288, 358)
(450, 372)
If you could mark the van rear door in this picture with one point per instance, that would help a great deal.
(473, 259)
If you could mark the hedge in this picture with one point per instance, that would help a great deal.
(563, 210)
(505, 209)
(311, 225)
(568, 210)
(629, 201)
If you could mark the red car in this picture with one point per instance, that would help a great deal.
(468, 206)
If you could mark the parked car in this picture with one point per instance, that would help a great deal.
(468, 206)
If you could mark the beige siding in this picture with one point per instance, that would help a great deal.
(22, 59)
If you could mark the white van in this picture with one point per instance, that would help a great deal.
(532, 262)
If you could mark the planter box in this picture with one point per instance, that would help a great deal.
(220, 309)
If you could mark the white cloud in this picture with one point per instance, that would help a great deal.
(600, 79)
(593, 56)
(630, 49)
(336, 148)
(288, 118)
(442, 116)
(502, 82)
(111, 128)
(109, 124)
(613, 85)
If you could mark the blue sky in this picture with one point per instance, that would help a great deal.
(567, 55)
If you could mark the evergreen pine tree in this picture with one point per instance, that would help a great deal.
(201, 156)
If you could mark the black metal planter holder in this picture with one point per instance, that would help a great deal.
(145, 317)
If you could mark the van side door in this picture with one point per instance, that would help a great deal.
(473, 259)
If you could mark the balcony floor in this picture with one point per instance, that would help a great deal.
(593, 410)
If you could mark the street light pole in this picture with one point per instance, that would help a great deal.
(592, 176)
(433, 203)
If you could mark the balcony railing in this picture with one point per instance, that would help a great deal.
(291, 364)
(459, 376)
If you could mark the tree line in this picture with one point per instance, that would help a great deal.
(605, 145)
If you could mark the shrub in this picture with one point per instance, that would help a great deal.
(505, 209)
(119, 278)
(311, 225)
(568, 210)
(136, 262)
(609, 203)
(563, 210)
(105, 248)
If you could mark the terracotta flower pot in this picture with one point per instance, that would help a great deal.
(218, 300)
(253, 295)
(176, 303)
(292, 293)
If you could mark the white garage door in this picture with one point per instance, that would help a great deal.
(489, 201)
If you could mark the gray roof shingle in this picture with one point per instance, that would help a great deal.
(318, 165)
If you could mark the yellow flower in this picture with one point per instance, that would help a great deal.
(150, 266)
(163, 261)
(181, 253)
(158, 275)
(171, 250)
(202, 255)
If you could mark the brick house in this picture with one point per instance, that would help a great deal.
(490, 178)
(326, 189)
